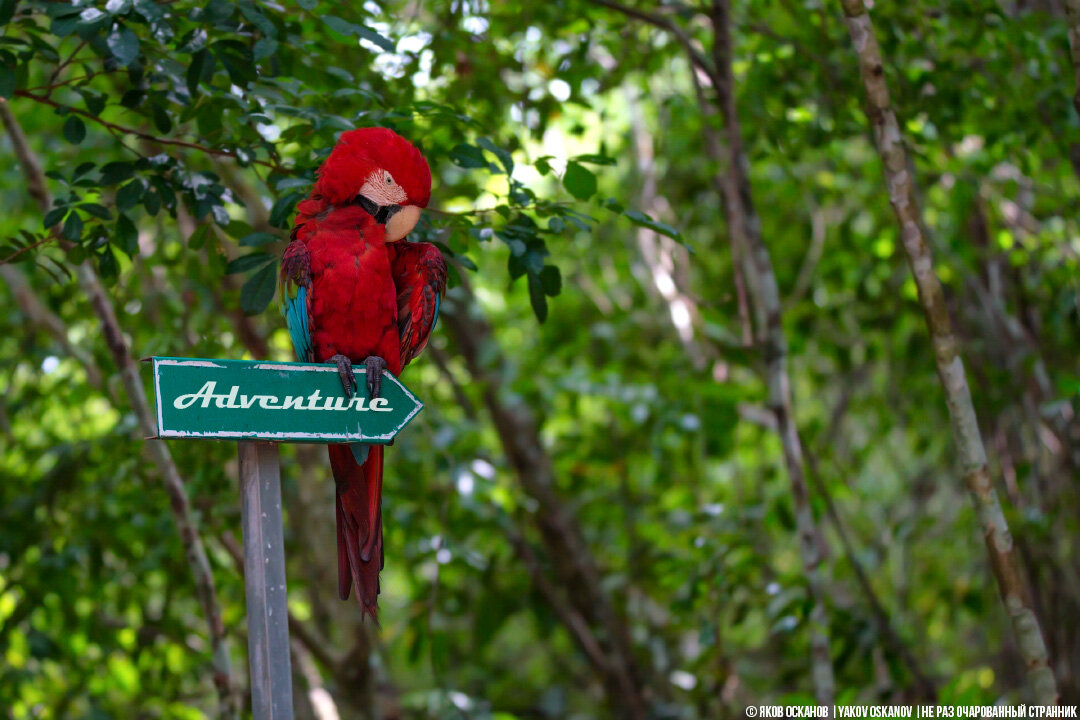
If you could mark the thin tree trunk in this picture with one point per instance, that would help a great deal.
(765, 293)
(205, 588)
(658, 253)
(1072, 18)
(604, 637)
(42, 317)
(999, 542)
(752, 260)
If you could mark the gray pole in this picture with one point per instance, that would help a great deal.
(264, 581)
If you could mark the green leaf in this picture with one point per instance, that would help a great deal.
(7, 81)
(505, 159)
(127, 236)
(7, 11)
(76, 254)
(151, 10)
(95, 102)
(468, 156)
(209, 119)
(238, 229)
(124, 45)
(195, 71)
(108, 266)
(579, 182)
(64, 26)
(374, 37)
(613, 205)
(256, 18)
(54, 216)
(199, 236)
(264, 48)
(258, 239)
(99, 211)
(594, 159)
(292, 183)
(74, 130)
(115, 173)
(73, 227)
(220, 215)
(162, 121)
(218, 11)
(132, 98)
(258, 291)
(92, 16)
(639, 218)
(151, 201)
(239, 65)
(542, 165)
(247, 262)
(344, 27)
(537, 298)
(551, 280)
(82, 169)
(130, 195)
(283, 209)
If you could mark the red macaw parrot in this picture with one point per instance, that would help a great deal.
(352, 290)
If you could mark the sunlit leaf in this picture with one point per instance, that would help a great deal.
(579, 182)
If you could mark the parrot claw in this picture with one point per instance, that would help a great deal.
(375, 366)
(345, 372)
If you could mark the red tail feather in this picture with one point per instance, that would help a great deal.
(359, 524)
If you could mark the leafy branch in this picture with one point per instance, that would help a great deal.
(217, 152)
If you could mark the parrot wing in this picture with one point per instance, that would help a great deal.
(420, 277)
(294, 289)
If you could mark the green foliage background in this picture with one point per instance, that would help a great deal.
(566, 142)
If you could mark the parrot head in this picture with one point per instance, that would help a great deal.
(381, 172)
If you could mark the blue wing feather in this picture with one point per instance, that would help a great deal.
(296, 318)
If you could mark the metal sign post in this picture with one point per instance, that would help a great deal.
(259, 404)
(264, 581)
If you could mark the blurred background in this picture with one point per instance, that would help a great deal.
(595, 515)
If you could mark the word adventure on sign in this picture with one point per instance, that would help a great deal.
(314, 401)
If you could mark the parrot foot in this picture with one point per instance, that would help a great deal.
(375, 366)
(345, 372)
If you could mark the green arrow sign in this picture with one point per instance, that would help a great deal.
(279, 401)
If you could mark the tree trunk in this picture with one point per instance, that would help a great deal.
(969, 444)
(744, 222)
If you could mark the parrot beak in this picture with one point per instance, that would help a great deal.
(401, 222)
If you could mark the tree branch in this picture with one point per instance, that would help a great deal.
(659, 21)
(570, 617)
(217, 152)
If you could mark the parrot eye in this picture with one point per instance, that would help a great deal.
(389, 180)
